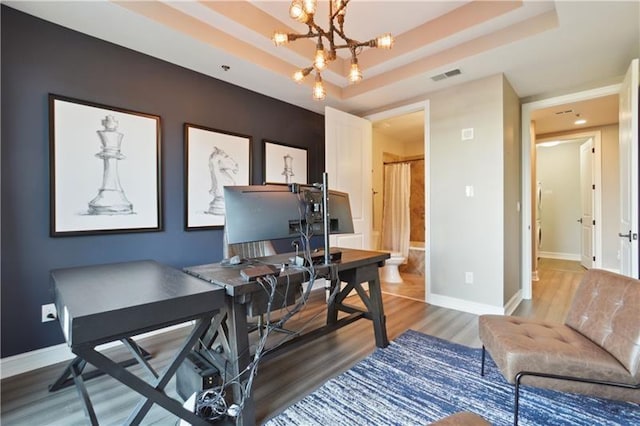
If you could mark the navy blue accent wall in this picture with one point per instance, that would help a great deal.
(39, 58)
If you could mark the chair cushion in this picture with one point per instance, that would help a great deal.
(518, 344)
(606, 309)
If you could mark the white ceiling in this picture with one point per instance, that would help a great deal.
(541, 47)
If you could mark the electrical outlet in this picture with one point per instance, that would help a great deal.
(49, 312)
(468, 277)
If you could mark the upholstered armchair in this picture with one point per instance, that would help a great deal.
(596, 351)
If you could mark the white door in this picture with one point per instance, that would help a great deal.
(586, 204)
(628, 128)
(348, 148)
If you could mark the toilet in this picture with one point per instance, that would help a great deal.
(389, 272)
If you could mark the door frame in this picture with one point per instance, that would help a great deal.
(527, 109)
(408, 109)
(596, 135)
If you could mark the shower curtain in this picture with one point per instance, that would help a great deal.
(395, 208)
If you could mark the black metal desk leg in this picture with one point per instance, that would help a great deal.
(152, 394)
(143, 407)
(63, 381)
(76, 372)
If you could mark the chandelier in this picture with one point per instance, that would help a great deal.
(303, 11)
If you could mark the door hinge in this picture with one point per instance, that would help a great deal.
(594, 222)
(594, 258)
(593, 150)
(593, 186)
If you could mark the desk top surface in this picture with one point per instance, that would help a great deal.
(102, 302)
(229, 276)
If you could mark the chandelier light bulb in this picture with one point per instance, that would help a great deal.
(355, 75)
(310, 6)
(296, 11)
(337, 4)
(384, 41)
(320, 60)
(280, 38)
(299, 75)
(318, 89)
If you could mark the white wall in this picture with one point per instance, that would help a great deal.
(467, 233)
(512, 189)
(610, 197)
(471, 234)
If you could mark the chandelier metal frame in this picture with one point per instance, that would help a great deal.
(304, 11)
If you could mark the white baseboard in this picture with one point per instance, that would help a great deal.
(464, 305)
(513, 303)
(28, 361)
(559, 256)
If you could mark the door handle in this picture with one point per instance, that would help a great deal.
(579, 220)
(628, 235)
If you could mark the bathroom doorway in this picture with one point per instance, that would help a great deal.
(399, 136)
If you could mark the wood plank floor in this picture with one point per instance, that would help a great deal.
(286, 378)
(412, 287)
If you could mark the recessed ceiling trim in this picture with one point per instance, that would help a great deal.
(538, 24)
(199, 30)
(255, 19)
(462, 18)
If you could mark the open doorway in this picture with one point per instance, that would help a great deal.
(568, 201)
(400, 140)
(603, 127)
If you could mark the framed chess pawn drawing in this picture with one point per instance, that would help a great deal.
(284, 163)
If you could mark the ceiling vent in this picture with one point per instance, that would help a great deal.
(447, 74)
(569, 111)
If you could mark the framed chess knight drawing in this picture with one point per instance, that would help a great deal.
(104, 168)
(213, 159)
(284, 163)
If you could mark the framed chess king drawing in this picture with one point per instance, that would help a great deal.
(284, 163)
(213, 159)
(104, 169)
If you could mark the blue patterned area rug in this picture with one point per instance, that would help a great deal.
(418, 379)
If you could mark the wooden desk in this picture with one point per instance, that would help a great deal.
(105, 303)
(229, 331)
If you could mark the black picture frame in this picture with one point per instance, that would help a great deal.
(278, 169)
(213, 159)
(105, 169)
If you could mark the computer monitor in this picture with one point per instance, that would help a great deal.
(272, 212)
